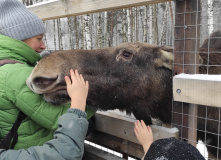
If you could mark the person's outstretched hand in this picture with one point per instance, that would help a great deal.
(77, 89)
(144, 134)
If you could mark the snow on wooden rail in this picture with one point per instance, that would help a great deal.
(198, 89)
(65, 8)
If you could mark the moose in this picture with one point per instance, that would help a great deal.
(121, 77)
(132, 77)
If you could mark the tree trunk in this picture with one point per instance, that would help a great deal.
(210, 15)
(82, 33)
(128, 25)
(76, 32)
(137, 24)
(155, 25)
(87, 31)
(145, 27)
(150, 24)
(99, 32)
(104, 37)
(163, 33)
(124, 24)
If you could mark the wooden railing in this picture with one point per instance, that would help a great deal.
(115, 130)
(65, 8)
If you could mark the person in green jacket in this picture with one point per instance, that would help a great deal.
(68, 142)
(21, 40)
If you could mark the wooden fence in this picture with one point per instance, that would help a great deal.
(113, 130)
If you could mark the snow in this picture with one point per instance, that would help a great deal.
(41, 3)
(199, 76)
(202, 148)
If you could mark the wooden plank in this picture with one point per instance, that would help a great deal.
(197, 89)
(65, 8)
(121, 126)
(192, 123)
(93, 153)
(116, 144)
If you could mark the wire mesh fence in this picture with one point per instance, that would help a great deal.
(196, 51)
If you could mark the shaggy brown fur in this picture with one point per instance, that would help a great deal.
(211, 61)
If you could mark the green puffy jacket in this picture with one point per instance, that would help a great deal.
(42, 117)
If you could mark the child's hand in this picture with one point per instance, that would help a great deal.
(77, 90)
(144, 134)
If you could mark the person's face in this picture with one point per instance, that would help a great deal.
(36, 43)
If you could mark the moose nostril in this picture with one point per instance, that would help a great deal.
(42, 82)
(31, 86)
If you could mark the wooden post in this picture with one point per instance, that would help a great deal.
(199, 89)
(186, 45)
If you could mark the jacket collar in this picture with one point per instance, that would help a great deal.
(14, 49)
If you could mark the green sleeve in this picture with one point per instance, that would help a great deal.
(90, 111)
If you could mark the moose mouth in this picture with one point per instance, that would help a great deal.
(57, 98)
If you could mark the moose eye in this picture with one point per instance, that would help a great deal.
(126, 54)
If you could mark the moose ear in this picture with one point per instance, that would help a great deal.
(165, 58)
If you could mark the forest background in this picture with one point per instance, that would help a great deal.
(153, 24)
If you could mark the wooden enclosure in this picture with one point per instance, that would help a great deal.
(113, 129)
(195, 91)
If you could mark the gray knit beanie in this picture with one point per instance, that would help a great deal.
(17, 22)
